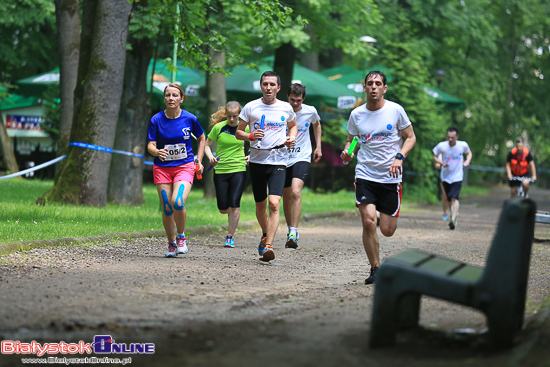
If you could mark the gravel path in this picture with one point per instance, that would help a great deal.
(222, 307)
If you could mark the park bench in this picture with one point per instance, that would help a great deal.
(498, 290)
(542, 217)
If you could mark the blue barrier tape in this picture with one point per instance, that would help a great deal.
(40, 166)
(90, 146)
(109, 150)
(129, 154)
(80, 145)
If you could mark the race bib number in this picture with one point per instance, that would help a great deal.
(176, 152)
(296, 149)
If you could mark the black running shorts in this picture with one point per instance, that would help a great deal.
(386, 197)
(452, 189)
(297, 170)
(266, 177)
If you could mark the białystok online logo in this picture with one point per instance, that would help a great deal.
(102, 344)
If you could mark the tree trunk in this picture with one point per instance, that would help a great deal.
(97, 102)
(215, 84)
(284, 66)
(332, 58)
(310, 60)
(126, 175)
(68, 35)
(7, 148)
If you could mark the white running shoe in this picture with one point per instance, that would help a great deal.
(171, 250)
(182, 245)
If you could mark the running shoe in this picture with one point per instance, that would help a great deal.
(182, 245)
(171, 250)
(266, 252)
(291, 241)
(452, 224)
(262, 244)
(372, 277)
(229, 242)
(445, 217)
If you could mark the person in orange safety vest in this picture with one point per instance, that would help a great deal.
(517, 165)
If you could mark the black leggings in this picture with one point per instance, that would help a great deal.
(229, 189)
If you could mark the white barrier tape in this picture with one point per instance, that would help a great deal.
(40, 166)
(487, 168)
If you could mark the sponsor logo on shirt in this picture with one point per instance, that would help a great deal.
(186, 133)
(367, 138)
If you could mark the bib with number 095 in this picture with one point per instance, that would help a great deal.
(176, 152)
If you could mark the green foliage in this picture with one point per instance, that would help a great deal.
(220, 25)
(406, 55)
(27, 38)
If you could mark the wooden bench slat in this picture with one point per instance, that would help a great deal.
(441, 265)
(468, 273)
(411, 256)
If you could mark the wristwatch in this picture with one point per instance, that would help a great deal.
(399, 156)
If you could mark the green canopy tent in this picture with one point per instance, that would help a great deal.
(161, 78)
(37, 85)
(353, 79)
(244, 85)
(447, 100)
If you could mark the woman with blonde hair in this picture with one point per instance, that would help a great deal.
(169, 139)
(229, 165)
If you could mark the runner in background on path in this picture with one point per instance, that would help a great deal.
(299, 159)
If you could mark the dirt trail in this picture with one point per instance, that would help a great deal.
(222, 307)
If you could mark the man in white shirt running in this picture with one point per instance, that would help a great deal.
(299, 159)
(380, 125)
(452, 163)
(268, 119)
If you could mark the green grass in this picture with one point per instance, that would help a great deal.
(21, 220)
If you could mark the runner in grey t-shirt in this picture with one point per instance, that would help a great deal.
(380, 126)
(452, 161)
(299, 160)
(268, 154)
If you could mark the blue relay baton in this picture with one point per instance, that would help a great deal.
(209, 168)
(262, 125)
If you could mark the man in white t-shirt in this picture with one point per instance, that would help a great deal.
(380, 125)
(452, 163)
(299, 159)
(268, 119)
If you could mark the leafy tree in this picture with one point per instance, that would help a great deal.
(27, 38)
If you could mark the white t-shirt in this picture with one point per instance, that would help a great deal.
(454, 157)
(379, 134)
(277, 116)
(301, 152)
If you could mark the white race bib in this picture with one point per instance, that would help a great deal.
(176, 152)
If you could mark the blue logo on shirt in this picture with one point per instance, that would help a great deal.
(388, 127)
(307, 124)
(282, 118)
